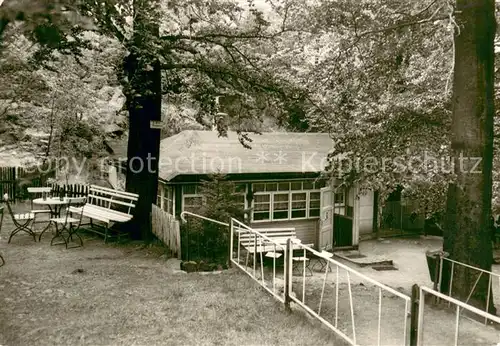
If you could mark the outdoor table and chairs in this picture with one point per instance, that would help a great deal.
(54, 205)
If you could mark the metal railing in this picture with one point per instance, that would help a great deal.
(460, 306)
(480, 272)
(340, 296)
(329, 312)
(250, 242)
(184, 213)
(206, 239)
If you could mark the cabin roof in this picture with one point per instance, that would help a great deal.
(205, 152)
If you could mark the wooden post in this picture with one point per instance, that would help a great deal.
(288, 273)
(415, 301)
(437, 278)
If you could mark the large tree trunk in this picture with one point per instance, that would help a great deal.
(144, 104)
(467, 235)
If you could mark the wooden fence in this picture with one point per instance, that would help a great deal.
(167, 229)
(14, 181)
(71, 190)
(8, 183)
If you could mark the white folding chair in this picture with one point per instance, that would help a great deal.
(69, 224)
(22, 221)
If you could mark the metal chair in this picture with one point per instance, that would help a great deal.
(21, 221)
(68, 222)
(322, 261)
(1, 221)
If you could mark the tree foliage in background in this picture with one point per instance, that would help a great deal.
(378, 79)
(57, 107)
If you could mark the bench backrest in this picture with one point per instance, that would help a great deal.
(279, 235)
(39, 189)
(112, 199)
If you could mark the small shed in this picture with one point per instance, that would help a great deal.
(278, 178)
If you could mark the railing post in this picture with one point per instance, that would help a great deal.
(288, 273)
(231, 242)
(437, 278)
(415, 297)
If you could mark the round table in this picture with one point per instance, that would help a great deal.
(54, 203)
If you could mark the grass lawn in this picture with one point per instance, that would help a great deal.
(123, 295)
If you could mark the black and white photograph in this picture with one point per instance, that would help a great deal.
(249, 172)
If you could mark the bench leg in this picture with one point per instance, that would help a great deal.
(105, 234)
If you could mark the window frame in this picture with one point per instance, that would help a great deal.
(343, 194)
(196, 193)
(291, 192)
(191, 195)
(168, 199)
(243, 193)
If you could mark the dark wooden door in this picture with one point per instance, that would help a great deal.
(342, 230)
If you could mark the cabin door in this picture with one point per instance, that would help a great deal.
(343, 210)
(326, 219)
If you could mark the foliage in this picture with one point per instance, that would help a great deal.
(376, 75)
(221, 199)
(207, 240)
(59, 107)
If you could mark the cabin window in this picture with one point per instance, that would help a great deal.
(168, 199)
(262, 207)
(165, 198)
(286, 200)
(158, 195)
(193, 203)
(281, 206)
(240, 191)
(191, 199)
(299, 205)
(314, 204)
(339, 198)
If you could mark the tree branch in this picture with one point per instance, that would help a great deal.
(403, 25)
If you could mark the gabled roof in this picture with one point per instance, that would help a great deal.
(204, 152)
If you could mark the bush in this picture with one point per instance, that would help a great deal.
(203, 240)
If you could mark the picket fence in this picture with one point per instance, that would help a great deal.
(167, 229)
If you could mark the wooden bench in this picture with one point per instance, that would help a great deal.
(278, 235)
(254, 245)
(107, 206)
